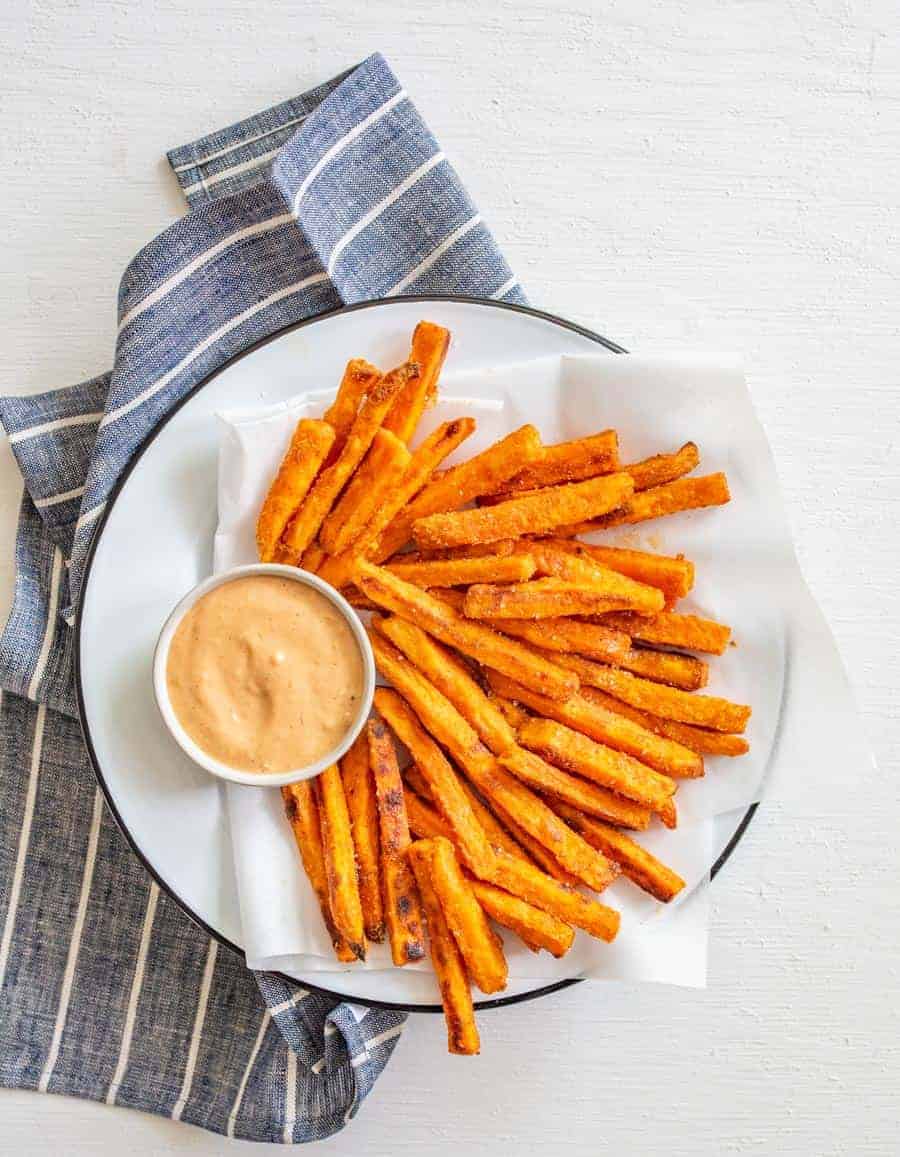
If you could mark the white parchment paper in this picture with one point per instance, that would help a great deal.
(656, 404)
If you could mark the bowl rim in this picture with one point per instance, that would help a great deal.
(161, 691)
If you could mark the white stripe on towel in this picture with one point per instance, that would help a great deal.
(393, 196)
(197, 1033)
(135, 994)
(345, 140)
(62, 1009)
(435, 255)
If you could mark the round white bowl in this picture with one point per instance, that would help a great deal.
(193, 750)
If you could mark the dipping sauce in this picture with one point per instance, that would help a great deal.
(264, 674)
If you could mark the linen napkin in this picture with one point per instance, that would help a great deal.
(108, 990)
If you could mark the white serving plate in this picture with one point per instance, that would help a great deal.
(155, 543)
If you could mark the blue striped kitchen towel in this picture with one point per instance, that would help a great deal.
(107, 990)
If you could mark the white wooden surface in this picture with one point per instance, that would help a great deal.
(693, 174)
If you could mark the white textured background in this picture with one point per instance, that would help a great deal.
(692, 174)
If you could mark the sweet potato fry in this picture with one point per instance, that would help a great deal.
(614, 728)
(636, 862)
(588, 797)
(502, 548)
(674, 630)
(547, 598)
(402, 907)
(586, 571)
(696, 739)
(671, 703)
(313, 557)
(566, 635)
(536, 852)
(378, 475)
(481, 948)
(309, 447)
(536, 513)
(438, 715)
(443, 782)
(663, 468)
(568, 462)
(537, 928)
(539, 889)
(305, 524)
(449, 966)
(340, 859)
(660, 666)
(359, 789)
(473, 639)
(573, 751)
(338, 570)
(480, 475)
(430, 343)
(450, 677)
(359, 377)
(673, 576)
(526, 882)
(511, 568)
(302, 813)
(514, 714)
(683, 494)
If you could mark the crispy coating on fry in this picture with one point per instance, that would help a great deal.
(539, 889)
(536, 929)
(450, 677)
(476, 550)
(527, 883)
(697, 739)
(302, 813)
(309, 447)
(359, 788)
(683, 494)
(402, 905)
(377, 476)
(568, 462)
(511, 568)
(339, 569)
(663, 468)
(458, 737)
(586, 571)
(449, 966)
(430, 344)
(443, 782)
(566, 635)
(588, 797)
(682, 671)
(671, 703)
(673, 576)
(477, 641)
(480, 475)
(546, 598)
(636, 862)
(572, 751)
(536, 513)
(481, 948)
(674, 630)
(613, 728)
(359, 377)
(537, 852)
(305, 524)
(340, 859)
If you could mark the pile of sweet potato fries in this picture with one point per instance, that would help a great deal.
(543, 690)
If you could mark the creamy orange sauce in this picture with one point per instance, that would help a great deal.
(264, 674)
